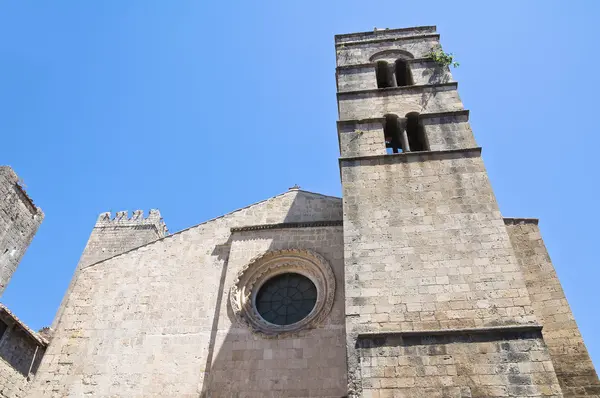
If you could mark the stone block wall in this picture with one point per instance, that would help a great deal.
(309, 363)
(19, 353)
(502, 363)
(362, 137)
(20, 219)
(363, 76)
(356, 49)
(572, 362)
(112, 236)
(153, 322)
(426, 249)
(399, 101)
(443, 131)
(426, 246)
(448, 131)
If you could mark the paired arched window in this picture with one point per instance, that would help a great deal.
(396, 75)
(402, 73)
(404, 135)
(415, 132)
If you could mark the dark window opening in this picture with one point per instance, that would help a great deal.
(286, 299)
(3, 327)
(403, 77)
(384, 77)
(415, 132)
(392, 133)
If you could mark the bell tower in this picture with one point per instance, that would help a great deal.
(435, 298)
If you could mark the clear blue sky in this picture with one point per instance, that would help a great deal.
(198, 108)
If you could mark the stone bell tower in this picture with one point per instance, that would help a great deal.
(436, 301)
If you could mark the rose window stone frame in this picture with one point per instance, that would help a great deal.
(268, 265)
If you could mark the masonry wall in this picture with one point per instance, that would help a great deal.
(310, 363)
(572, 362)
(19, 221)
(503, 363)
(143, 323)
(444, 131)
(426, 249)
(17, 354)
(115, 235)
(399, 101)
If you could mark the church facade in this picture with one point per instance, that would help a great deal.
(413, 284)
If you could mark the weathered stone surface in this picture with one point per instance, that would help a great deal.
(489, 363)
(21, 351)
(570, 357)
(20, 219)
(155, 321)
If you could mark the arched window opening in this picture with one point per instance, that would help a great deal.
(415, 133)
(393, 135)
(384, 77)
(402, 72)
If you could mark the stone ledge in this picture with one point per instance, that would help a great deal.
(424, 155)
(389, 39)
(447, 332)
(394, 90)
(516, 221)
(375, 32)
(373, 64)
(464, 112)
(311, 224)
(352, 122)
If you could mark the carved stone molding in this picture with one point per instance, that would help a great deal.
(264, 267)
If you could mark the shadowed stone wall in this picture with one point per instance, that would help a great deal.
(19, 352)
(20, 219)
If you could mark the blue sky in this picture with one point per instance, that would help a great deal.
(198, 108)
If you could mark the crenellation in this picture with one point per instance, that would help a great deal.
(122, 219)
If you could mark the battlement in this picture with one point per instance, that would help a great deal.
(385, 34)
(122, 219)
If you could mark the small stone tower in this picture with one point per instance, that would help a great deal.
(20, 219)
(113, 236)
(436, 300)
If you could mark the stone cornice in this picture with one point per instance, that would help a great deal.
(352, 122)
(423, 155)
(394, 90)
(425, 28)
(309, 224)
(388, 39)
(516, 221)
(455, 332)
